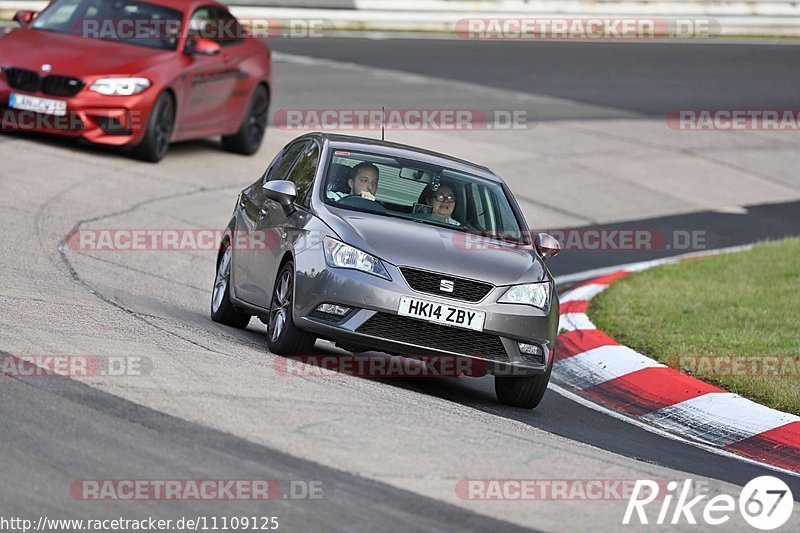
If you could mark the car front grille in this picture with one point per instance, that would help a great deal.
(24, 80)
(54, 85)
(430, 282)
(433, 336)
(61, 85)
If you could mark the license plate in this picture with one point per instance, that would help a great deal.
(38, 105)
(442, 314)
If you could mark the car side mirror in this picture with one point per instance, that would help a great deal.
(547, 245)
(282, 191)
(198, 46)
(25, 17)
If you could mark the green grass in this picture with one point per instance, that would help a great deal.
(739, 304)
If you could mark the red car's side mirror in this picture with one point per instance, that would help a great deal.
(547, 245)
(25, 17)
(198, 46)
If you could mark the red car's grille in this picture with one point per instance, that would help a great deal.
(61, 85)
(24, 80)
(54, 85)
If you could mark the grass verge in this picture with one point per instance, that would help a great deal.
(732, 320)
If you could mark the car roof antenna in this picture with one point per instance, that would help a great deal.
(383, 122)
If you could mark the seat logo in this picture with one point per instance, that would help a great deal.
(47, 68)
(446, 285)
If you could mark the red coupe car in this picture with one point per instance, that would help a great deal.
(137, 74)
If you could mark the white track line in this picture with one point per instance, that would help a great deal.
(641, 265)
(648, 426)
(662, 433)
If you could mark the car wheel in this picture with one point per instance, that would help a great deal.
(156, 140)
(284, 337)
(222, 309)
(248, 139)
(524, 392)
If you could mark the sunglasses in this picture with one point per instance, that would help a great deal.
(439, 197)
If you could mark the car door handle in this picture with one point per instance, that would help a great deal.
(226, 58)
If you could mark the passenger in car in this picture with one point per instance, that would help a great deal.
(364, 183)
(443, 203)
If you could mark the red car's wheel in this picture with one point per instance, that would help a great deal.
(155, 144)
(248, 139)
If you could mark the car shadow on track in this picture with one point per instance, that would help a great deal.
(556, 414)
(177, 149)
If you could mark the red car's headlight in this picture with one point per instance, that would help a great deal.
(119, 86)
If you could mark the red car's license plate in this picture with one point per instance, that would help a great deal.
(39, 105)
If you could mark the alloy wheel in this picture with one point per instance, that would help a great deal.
(279, 311)
(221, 283)
(164, 123)
(257, 121)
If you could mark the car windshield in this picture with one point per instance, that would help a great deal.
(125, 21)
(419, 192)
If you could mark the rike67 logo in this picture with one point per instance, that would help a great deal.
(765, 503)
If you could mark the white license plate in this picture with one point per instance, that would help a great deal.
(38, 105)
(442, 314)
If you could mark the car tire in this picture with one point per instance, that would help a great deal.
(284, 338)
(251, 133)
(160, 126)
(524, 392)
(222, 310)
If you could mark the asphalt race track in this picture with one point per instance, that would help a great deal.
(641, 78)
(388, 453)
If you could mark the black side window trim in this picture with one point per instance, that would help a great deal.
(294, 161)
(310, 188)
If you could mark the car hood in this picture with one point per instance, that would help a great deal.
(427, 247)
(73, 55)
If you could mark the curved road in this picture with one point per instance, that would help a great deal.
(212, 402)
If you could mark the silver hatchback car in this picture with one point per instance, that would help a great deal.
(384, 247)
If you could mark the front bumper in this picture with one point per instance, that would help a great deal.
(373, 322)
(109, 120)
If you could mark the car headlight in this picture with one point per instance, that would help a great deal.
(535, 294)
(119, 86)
(341, 255)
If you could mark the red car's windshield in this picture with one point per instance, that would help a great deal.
(126, 21)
